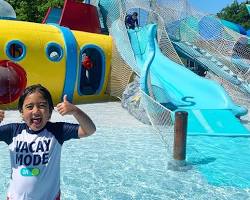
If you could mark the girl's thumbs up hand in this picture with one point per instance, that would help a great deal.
(65, 107)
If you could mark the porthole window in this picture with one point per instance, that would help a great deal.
(92, 70)
(54, 52)
(15, 50)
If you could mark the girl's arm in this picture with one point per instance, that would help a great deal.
(1, 115)
(87, 126)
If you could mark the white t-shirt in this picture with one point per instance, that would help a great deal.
(35, 159)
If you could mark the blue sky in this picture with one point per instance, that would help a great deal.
(211, 6)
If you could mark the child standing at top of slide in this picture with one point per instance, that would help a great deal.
(35, 145)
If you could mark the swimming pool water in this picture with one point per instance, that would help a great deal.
(222, 161)
(126, 160)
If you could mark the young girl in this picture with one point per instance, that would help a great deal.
(35, 146)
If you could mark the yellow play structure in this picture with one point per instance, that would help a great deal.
(52, 55)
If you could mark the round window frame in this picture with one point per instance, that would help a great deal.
(15, 42)
(56, 47)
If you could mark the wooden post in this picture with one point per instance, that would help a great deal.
(180, 135)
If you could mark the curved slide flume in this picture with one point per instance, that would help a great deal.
(211, 110)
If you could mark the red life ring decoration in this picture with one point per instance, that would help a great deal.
(87, 62)
(12, 81)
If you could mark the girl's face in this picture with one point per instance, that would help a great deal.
(35, 111)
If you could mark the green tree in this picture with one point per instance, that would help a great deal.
(236, 13)
(33, 11)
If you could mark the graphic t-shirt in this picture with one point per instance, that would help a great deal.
(35, 158)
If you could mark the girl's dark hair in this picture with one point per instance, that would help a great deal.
(32, 89)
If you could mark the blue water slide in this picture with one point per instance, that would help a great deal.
(206, 60)
(211, 29)
(211, 110)
(54, 15)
